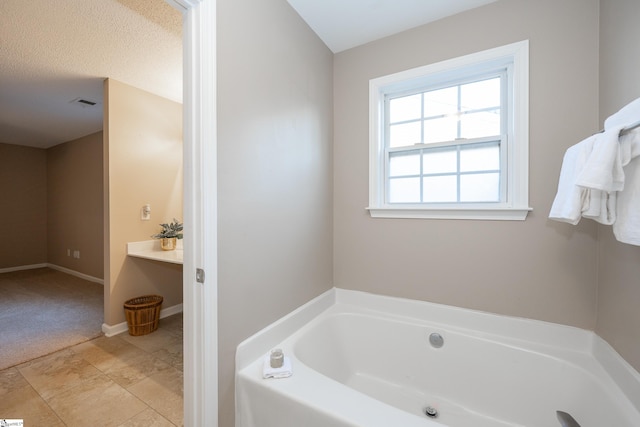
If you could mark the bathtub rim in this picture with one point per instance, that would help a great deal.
(567, 337)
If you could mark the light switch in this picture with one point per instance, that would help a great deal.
(145, 212)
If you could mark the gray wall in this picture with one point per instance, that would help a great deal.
(619, 270)
(275, 175)
(537, 268)
(75, 214)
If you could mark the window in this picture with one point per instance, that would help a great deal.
(450, 140)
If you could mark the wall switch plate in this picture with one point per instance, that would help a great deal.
(145, 212)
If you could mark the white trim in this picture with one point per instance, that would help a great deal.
(112, 330)
(200, 212)
(23, 267)
(77, 274)
(622, 373)
(516, 207)
(505, 214)
(54, 267)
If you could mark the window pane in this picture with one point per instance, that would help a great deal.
(440, 161)
(479, 95)
(482, 157)
(480, 187)
(438, 130)
(404, 134)
(441, 102)
(478, 125)
(405, 108)
(404, 164)
(404, 190)
(438, 189)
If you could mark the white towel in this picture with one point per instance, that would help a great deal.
(627, 226)
(572, 201)
(626, 116)
(599, 205)
(629, 146)
(284, 371)
(603, 168)
(593, 172)
(600, 178)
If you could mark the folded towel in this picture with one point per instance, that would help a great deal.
(282, 372)
(627, 225)
(600, 178)
(629, 146)
(603, 168)
(573, 201)
(599, 205)
(626, 116)
(570, 199)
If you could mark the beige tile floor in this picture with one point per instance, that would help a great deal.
(119, 381)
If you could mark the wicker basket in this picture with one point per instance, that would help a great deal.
(143, 314)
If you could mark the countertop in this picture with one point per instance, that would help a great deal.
(150, 249)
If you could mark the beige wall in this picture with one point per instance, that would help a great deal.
(143, 164)
(74, 205)
(274, 136)
(619, 271)
(23, 206)
(537, 268)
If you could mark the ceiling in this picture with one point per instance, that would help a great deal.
(56, 53)
(343, 24)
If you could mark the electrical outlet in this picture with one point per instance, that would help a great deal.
(76, 254)
(68, 252)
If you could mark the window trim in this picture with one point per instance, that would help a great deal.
(516, 207)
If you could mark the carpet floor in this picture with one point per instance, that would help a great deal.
(45, 310)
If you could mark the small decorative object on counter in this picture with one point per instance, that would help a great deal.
(277, 358)
(170, 232)
(276, 365)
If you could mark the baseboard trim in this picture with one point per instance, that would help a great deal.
(111, 330)
(54, 267)
(23, 267)
(76, 273)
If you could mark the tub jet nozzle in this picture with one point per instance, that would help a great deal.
(431, 412)
(436, 340)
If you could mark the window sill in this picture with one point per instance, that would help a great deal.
(487, 214)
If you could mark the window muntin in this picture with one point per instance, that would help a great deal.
(442, 116)
(470, 110)
(461, 173)
(467, 110)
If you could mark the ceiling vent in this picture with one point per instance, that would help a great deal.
(84, 102)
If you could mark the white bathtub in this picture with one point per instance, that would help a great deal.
(365, 360)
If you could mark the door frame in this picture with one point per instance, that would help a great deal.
(200, 300)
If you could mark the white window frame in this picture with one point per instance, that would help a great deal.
(515, 58)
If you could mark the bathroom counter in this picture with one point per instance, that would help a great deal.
(150, 249)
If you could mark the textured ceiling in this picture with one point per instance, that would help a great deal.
(52, 52)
